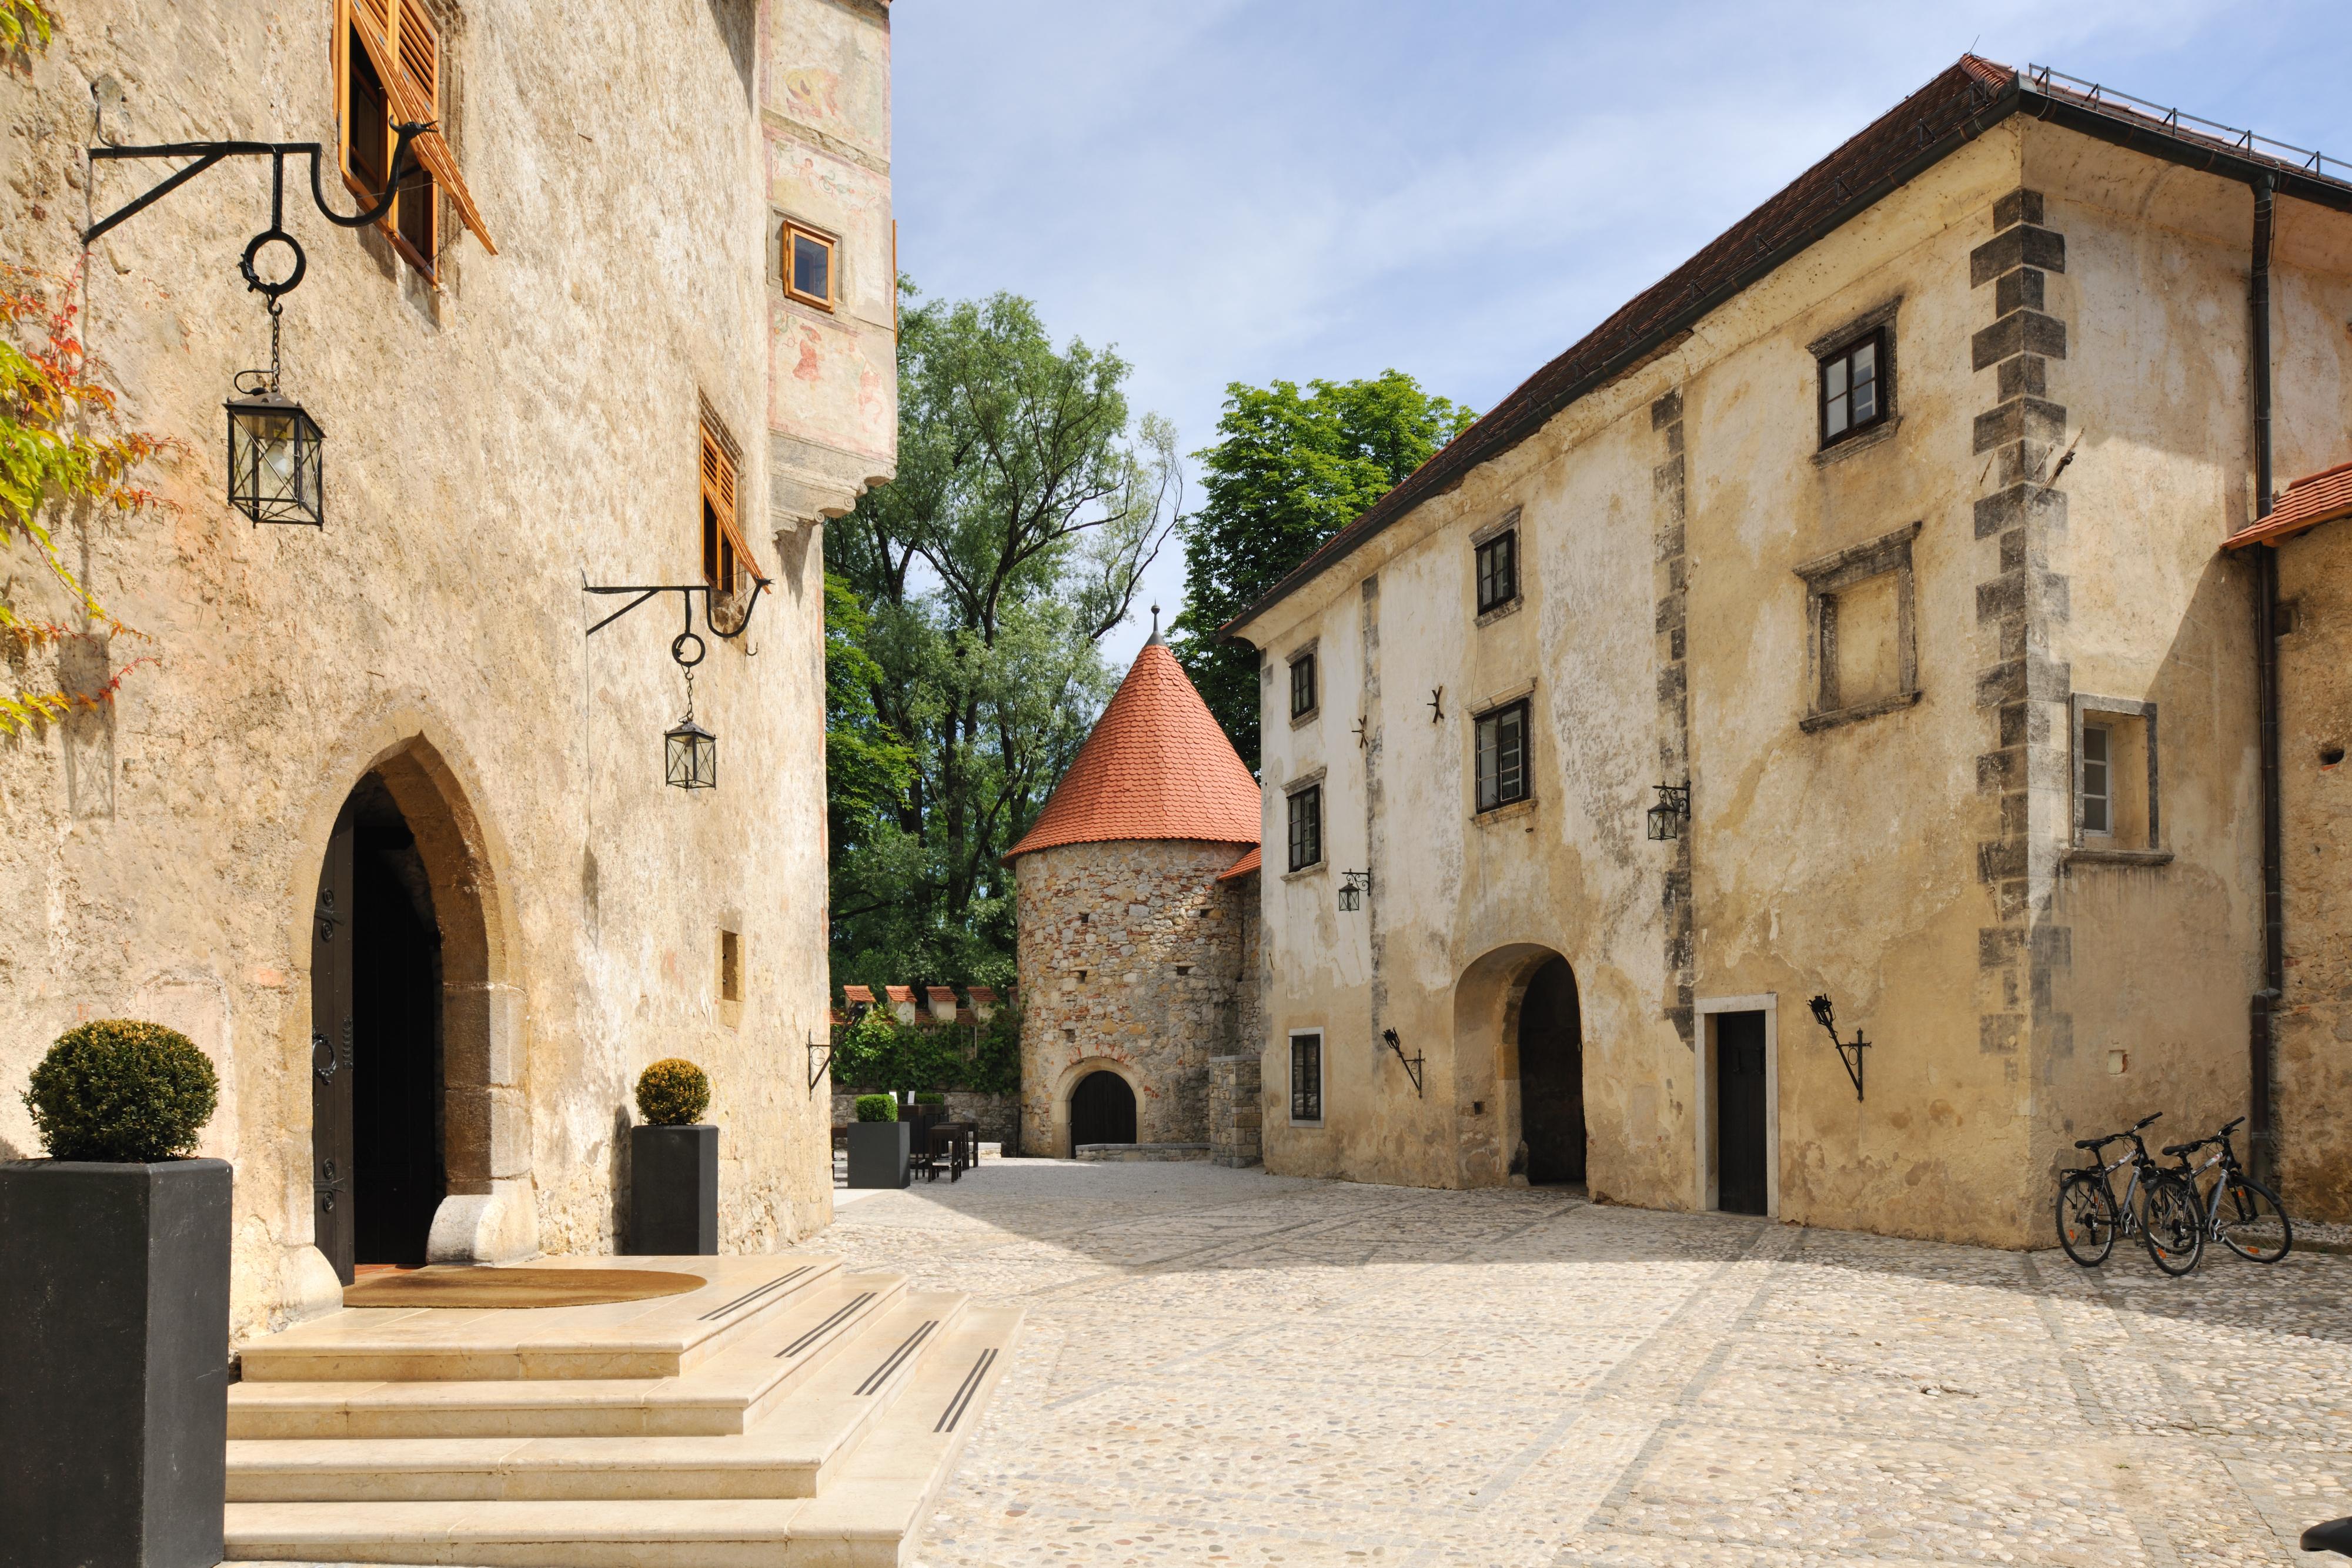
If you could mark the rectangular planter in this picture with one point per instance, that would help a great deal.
(674, 1191)
(113, 1362)
(878, 1154)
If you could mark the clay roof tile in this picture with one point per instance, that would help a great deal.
(2313, 499)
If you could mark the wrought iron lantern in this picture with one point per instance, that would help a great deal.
(1672, 809)
(690, 750)
(273, 472)
(1849, 1052)
(1353, 885)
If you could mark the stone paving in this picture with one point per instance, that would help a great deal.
(1226, 1367)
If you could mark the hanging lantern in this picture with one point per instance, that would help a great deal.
(273, 460)
(693, 754)
(1666, 817)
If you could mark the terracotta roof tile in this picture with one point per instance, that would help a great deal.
(1156, 767)
(2313, 499)
(1245, 866)
(857, 994)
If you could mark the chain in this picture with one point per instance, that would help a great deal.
(276, 311)
(690, 694)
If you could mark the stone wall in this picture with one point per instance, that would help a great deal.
(998, 1116)
(1234, 1117)
(1130, 956)
(531, 418)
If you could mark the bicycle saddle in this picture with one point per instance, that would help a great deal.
(2099, 1143)
(2336, 1536)
(2186, 1148)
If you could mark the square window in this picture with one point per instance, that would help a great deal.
(1856, 387)
(1306, 1076)
(1302, 685)
(1498, 570)
(1501, 739)
(1306, 827)
(2116, 776)
(808, 267)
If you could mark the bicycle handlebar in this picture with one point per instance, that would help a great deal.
(2143, 1121)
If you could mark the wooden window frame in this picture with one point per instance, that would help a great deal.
(1879, 340)
(1306, 809)
(385, 40)
(1303, 677)
(793, 229)
(1494, 716)
(1494, 592)
(1307, 1098)
(719, 469)
(2105, 795)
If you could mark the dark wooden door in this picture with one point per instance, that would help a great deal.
(333, 1205)
(1739, 1112)
(396, 1084)
(1102, 1111)
(1551, 1076)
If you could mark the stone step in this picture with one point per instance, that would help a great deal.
(722, 1395)
(659, 1338)
(785, 1454)
(870, 1514)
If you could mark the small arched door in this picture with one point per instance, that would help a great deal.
(1102, 1111)
(1551, 1076)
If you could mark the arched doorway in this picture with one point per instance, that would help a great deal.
(1102, 1110)
(377, 1056)
(1551, 1075)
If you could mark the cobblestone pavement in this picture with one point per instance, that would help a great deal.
(1227, 1367)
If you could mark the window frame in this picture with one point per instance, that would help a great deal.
(1825, 577)
(2105, 795)
(2113, 715)
(793, 229)
(1524, 709)
(1302, 665)
(719, 475)
(1878, 338)
(1313, 1095)
(1482, 554)
(1310, 796)
(433, 175)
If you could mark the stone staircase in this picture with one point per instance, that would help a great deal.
(788, 1413)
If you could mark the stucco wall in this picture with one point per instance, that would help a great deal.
(1914, 866)
(533, 421)
(1129, 956)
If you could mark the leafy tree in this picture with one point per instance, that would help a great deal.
(975, 589)
(1289, 470)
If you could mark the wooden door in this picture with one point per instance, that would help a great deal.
(1102, 1111)
(333, 1202)
(1739, 1112)
(1551, 1076)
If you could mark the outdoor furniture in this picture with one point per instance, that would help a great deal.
(955, 1144)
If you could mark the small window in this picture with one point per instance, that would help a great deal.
(2098, 782)
(1502, 743)
(725, 562)
(1302, 685)
(388, 69)
(1498, 570)
(730, 966)
(808, 267)
(1855, 387)
(1307, 1077)
(1306, 827)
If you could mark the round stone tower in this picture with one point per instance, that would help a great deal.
(1135, 943)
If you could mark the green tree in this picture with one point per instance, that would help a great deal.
(1289, 470)
(975, 589)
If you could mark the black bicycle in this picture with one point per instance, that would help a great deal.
(2238, 1211)
(2157, 1206)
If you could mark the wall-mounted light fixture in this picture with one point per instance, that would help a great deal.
(1849, 1052)
(1412, 1064)
(275, 474)
(689, 752)
(1353, 885)
(1672, 809)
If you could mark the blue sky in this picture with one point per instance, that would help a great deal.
(1231, 190)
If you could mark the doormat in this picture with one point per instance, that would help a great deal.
(462, 1286)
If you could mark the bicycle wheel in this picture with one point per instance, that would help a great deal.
(2175, 1226)
(2086, 1218)
(2251, 1223)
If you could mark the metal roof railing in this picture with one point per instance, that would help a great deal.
(2178, 123)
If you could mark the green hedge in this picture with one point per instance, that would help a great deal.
(877, 1051)
(122, 1091)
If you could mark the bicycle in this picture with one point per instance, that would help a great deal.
(2157, 1206)
(2240, 1213)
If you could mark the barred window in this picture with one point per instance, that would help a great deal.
(1498, 570)
(1306, 827)
(1502, 743)
(1306, 1076)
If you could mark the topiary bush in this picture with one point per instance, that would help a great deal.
(672, 1092)
(876, 1108)
(122, 1091)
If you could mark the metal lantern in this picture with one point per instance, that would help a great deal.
(273, 459)
(1667, 816)
(1353, 885)
(693, 755)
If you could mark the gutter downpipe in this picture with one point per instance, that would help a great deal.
(2262, 1020)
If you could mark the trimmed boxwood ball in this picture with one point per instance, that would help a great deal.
(121, 1091)
(672, 1092)
(876, 1108)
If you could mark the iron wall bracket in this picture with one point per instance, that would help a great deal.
(818, 1067)
(1412, 1064)
(1849, 1052)
(686, 592)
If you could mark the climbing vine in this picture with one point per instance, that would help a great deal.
(20, 19)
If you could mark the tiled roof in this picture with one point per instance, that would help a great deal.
(899, 993)
(2313, 499)
(1156, 767)
(857, 994)
(1960, 104)
(1245, 866)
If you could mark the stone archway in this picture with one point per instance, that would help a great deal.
(1065, 1089)
(1490, 1071)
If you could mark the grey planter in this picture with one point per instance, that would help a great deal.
(674, 1191)
(113, 1362)
(878, 1153)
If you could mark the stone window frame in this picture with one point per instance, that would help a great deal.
(1305, 655)
(2110, 851)
(1879, 319)
(1292, 793)
(1824, 577)
(1291, 1037)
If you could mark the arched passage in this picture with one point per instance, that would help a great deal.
(1499, 1062)
(1551, 1076)
(1102, 1110)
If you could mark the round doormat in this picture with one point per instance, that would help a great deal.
(459, 1286)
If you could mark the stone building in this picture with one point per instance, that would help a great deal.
(1873, 559)
(1136, 903)
(370, 817)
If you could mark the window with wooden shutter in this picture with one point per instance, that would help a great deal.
(725, 562)
(389, 69)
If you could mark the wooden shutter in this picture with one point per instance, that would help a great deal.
(718, 493)
(405, 46)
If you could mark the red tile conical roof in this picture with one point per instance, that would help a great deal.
(1156, 767)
